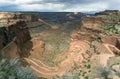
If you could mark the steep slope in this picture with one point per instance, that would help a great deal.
(74, 56)
(14, 32)
(57, 47)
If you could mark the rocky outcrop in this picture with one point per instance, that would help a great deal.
(9, 18)
(12, 29)
(17, 30)
(92, 22)
(95, 23)
(30, 17)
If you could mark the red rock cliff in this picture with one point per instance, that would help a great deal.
(12, 26)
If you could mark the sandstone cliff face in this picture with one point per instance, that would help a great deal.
(15, 39)
(92, 22)
(9, 18)
(12, 29)
(33, 17)
(94, 28)
(100, 19)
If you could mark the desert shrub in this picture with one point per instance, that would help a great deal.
(89, 66)
(114, 29)
(118, 53)
(70, 75)
(86, 77)
(97, 38)
(118, 73)
(12, 69)
(102, 72)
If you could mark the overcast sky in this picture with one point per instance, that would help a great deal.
(59, 5)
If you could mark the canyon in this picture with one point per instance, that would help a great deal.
(63, 45)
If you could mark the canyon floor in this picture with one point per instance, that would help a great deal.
(65, 56)
(63, 45)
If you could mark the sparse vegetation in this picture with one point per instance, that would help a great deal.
(56, 41)
(102, 72)
(12, 69)
(113, 17)
(86, 77)
(112, 29)
(69, 76)
(97, 38)
(89, 66)
(58, 47)
(118, 53)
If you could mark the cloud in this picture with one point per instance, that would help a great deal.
(59, 5)
(88, 7)
(114, 4)
(42, 7)
(5, 2)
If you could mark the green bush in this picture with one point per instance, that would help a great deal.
(102, 72)
(12, 69)
(89, 66)
(114, 29)
(86, 77)
(118, 53)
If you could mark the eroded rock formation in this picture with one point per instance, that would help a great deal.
(12, 29)
(86, 43)
(96, 27)
(92, 22)
(96, 23)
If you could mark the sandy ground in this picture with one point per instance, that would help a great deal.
(75, 55)
(77, 47)
(104, 57)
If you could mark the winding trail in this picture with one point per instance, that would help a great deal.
(77, 47)
(108, 47)
(105, 57)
